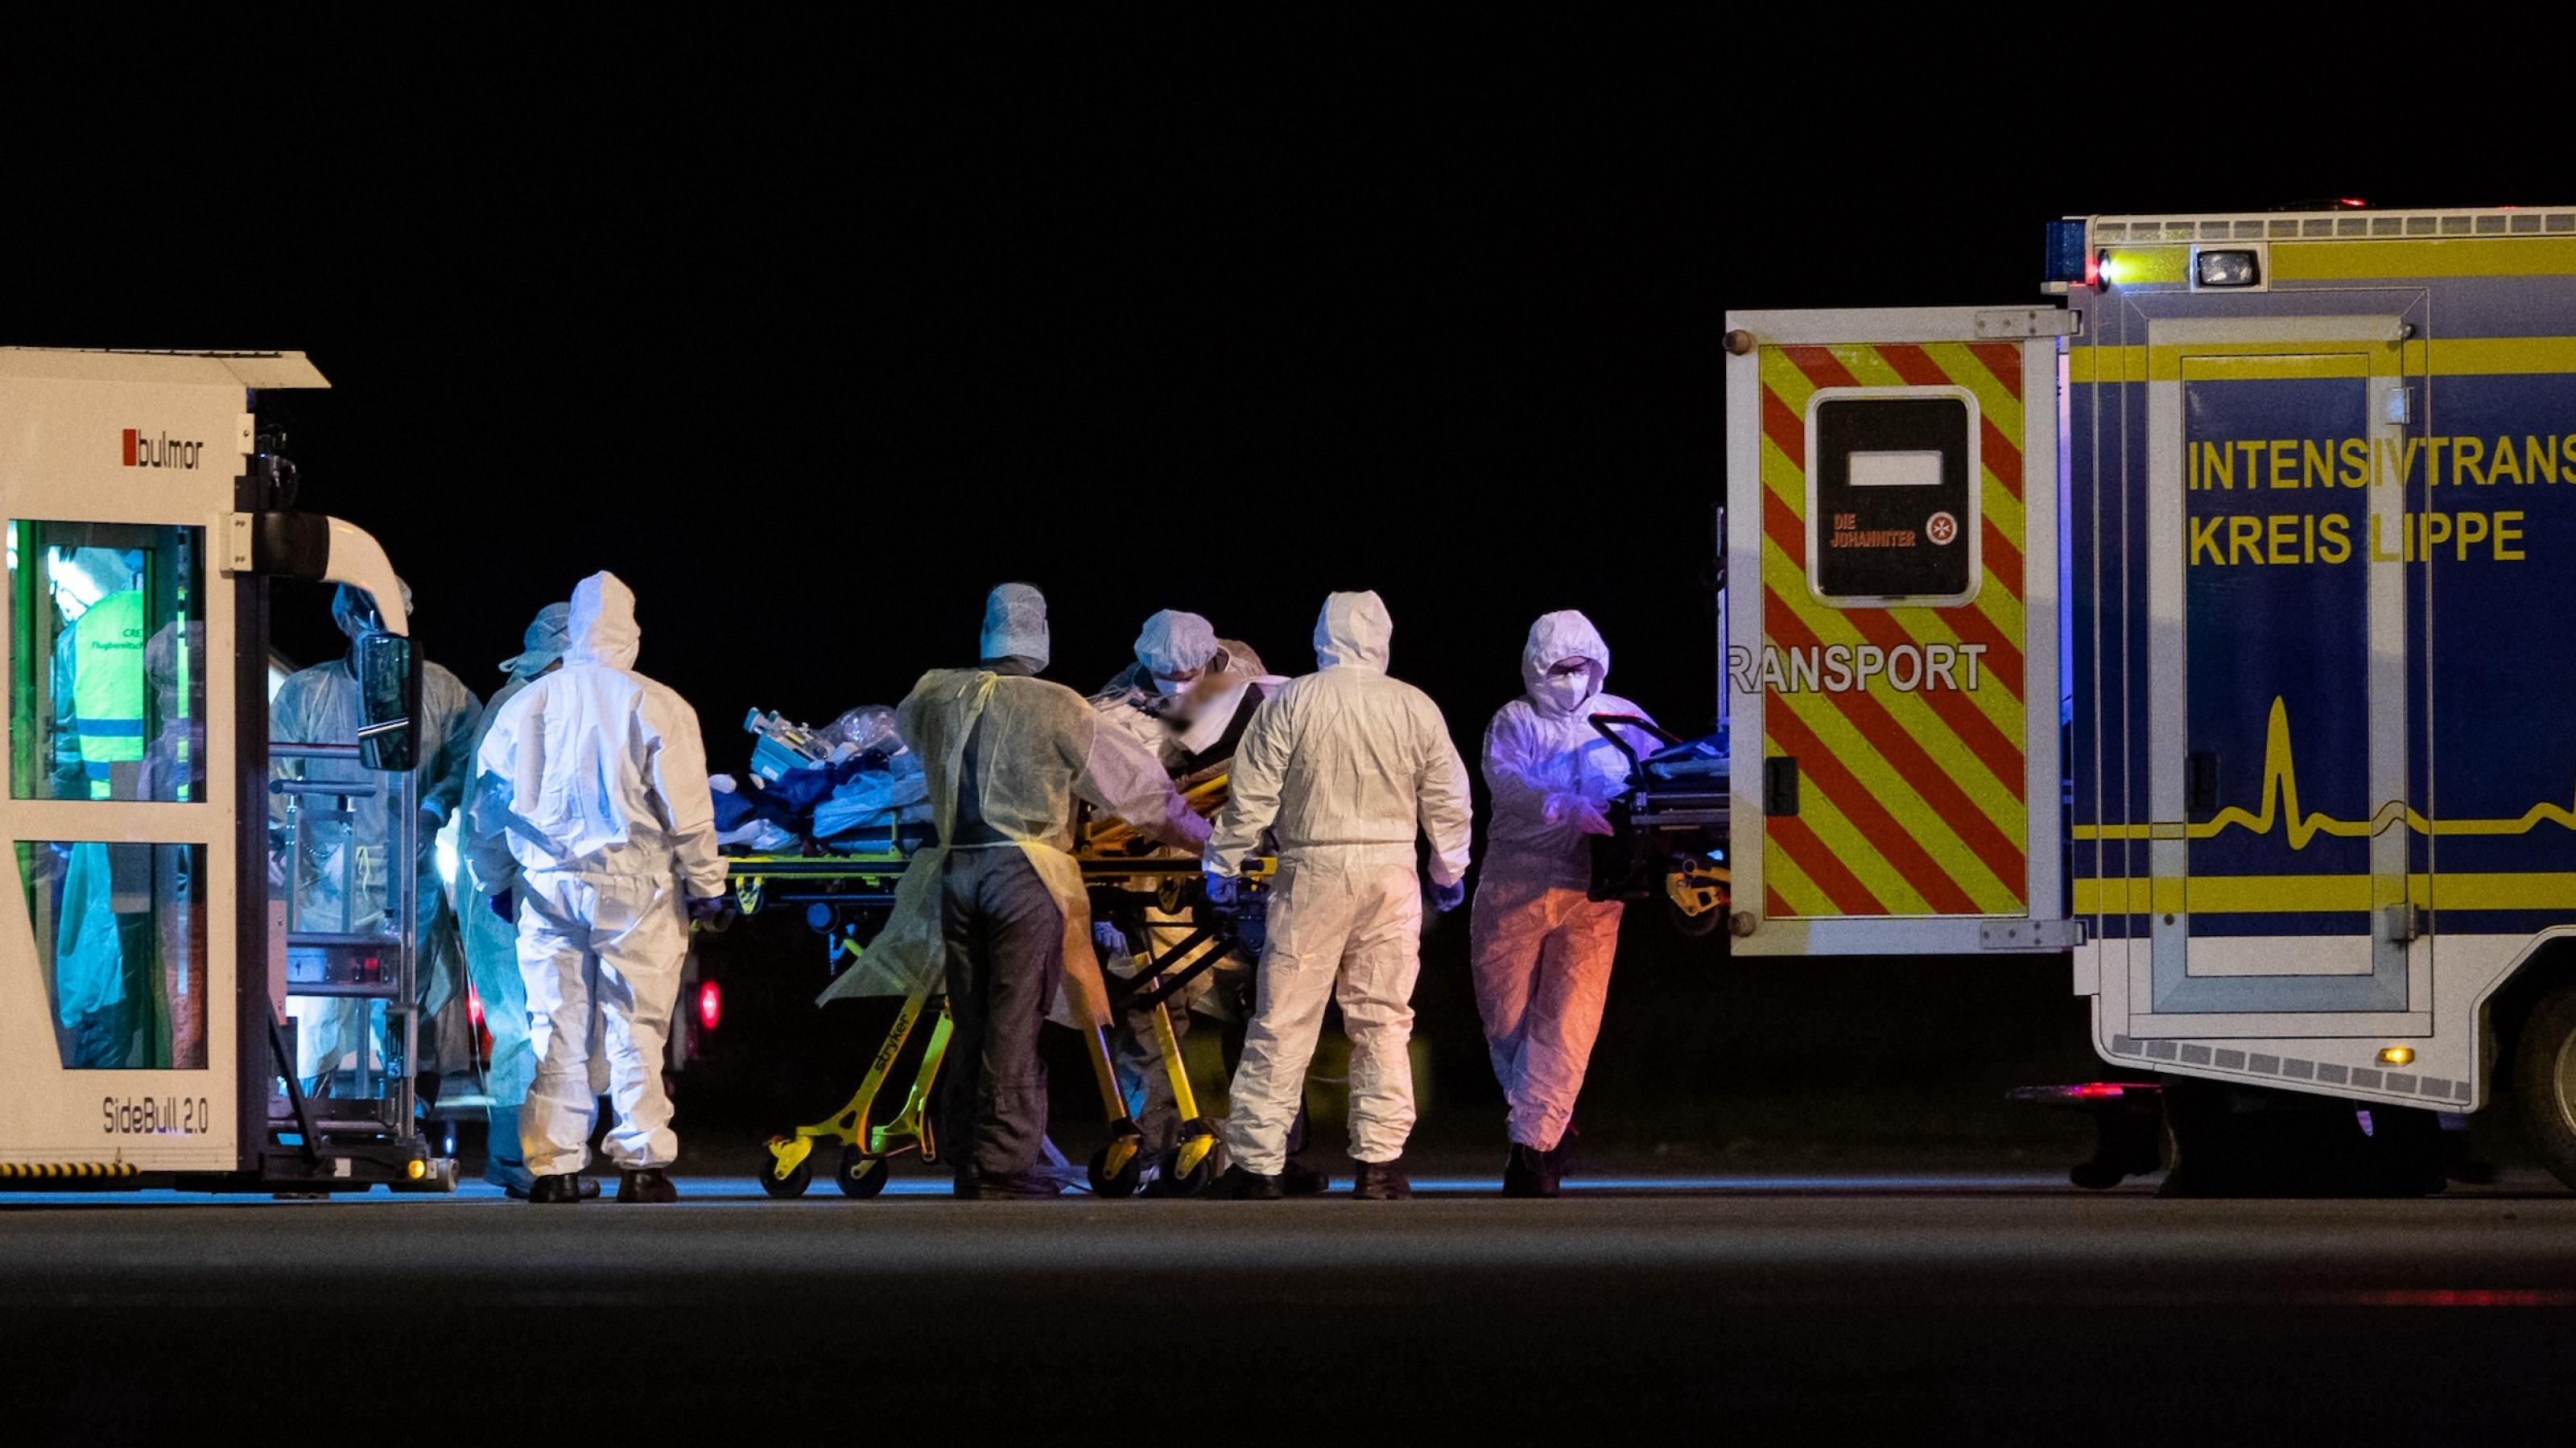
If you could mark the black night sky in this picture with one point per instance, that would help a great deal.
(814, 337)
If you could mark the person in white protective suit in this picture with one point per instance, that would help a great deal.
(1344, 764)
(1542, 947)
(995, 910)
(1188, 696)
(595, 779)
(340, 881)
(487, 918)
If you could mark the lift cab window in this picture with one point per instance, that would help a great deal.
(1892, 494)
(107, 662)
(107, 678)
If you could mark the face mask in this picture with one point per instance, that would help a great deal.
(1169, 687)
(1564, 693)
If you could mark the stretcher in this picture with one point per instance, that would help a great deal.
(1668, 828)
(1113, 860)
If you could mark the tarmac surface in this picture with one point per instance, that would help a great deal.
(2000, 1303)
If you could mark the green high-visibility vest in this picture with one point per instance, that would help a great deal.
(108, 687)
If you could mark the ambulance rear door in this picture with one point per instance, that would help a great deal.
(1892, 630)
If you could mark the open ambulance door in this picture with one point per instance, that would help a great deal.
(1892, 630)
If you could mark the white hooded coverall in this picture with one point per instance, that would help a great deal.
(320, 705)
(1344, 763)
(595, 778)
(1542, 947)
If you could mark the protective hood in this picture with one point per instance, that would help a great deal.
(1556, 637)
(1015, 625)
(602, 628)
(1353, 631)
(544, 642)
(1175, 643)
(355, 612)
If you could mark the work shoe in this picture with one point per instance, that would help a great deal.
(1027, 1186)
(1382, 1181)
(648, 1185)
(552, 1189)
(1238, 1185)
(1526, 1173)
(588, 1186)
(1298, 1179)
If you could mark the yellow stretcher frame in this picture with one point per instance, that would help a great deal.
(1108, 854)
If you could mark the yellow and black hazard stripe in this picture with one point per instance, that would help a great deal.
(1910, 803)
(56, 1171)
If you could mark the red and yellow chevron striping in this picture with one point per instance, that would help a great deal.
(1912, 802)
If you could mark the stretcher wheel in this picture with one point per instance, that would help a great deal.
(1121, 1183)
(1704, 923)
(791, 1185)
(860, 1176)
(1197, 1179)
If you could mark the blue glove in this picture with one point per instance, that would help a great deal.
(1224, 891)
(1445, 898)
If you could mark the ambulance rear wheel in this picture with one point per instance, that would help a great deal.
(2544, 1081)
(860, 1176)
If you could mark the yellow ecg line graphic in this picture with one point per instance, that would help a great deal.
(2281, 801)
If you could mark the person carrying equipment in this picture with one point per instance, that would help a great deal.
(1542, 946)
(997, 904)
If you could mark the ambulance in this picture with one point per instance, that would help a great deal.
(2200, 627)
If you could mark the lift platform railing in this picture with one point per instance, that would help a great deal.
(371, 1098)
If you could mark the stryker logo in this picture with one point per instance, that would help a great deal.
(159, 452)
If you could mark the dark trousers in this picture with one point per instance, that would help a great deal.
(1142, 1078)
(1005, 958)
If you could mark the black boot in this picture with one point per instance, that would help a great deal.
(1238, 1185)
(551, 1189)
(648, 1185)
(1525, 1173)
(1382, 1181)
(587, 1186)
(1551, 1166)
(1298, 1179)
(1038, 1185)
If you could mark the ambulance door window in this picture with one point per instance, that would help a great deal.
(1892, 496)
(107, 662)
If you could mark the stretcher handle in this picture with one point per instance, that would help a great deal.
(1607, 725)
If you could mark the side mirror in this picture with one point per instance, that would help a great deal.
(388, 702)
